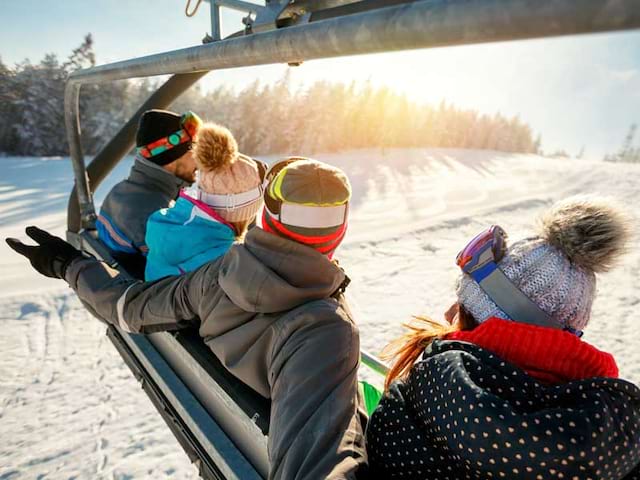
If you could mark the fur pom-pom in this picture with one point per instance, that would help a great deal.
(591, 231)
(214, 147)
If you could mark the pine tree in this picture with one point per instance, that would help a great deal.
(537, 146)
(8, 113)
(40, 128)
(81, 57)
(627, 152)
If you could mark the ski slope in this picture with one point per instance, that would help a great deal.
(69, 407)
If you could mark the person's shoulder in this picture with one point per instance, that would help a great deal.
(325, 311)
(124, 192)
(323, 307)
(175, 212)
(209, 270)
(115, 191)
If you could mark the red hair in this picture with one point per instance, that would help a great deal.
(404, 351)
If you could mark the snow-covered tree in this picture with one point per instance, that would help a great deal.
(266, 119)
(627, 153)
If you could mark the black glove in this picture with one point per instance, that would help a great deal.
(51, 257)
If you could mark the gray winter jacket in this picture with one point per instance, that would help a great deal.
(266, 310)
(122, 222)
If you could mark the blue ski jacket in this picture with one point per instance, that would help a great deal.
(184, 237)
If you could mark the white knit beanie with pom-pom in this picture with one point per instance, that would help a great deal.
(578, 237)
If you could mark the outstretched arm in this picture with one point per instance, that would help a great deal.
(138, 307)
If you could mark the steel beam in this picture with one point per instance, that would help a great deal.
(421, 24)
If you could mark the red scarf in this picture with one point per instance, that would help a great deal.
(549, 355)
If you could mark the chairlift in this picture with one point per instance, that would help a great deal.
(221, 423)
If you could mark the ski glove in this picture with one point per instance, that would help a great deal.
(51, 257)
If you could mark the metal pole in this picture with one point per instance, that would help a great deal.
(215, 22)
(421, 24)
(117, 148)
(373, 363)
(83, 197)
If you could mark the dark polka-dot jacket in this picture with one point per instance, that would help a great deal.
(464, 413)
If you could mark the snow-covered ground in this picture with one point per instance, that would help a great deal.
(69, 407)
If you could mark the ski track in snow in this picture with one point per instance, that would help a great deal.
(70, 408)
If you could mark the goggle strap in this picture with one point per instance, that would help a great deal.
(512, 301)
(229, 201)
(164, 144)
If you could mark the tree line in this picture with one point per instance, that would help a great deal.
(266, 119)
(628, 152)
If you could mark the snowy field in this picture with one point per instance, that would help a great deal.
(69, 407)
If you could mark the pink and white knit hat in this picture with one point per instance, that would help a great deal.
(228, 181)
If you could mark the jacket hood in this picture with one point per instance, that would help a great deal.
(184, 237)
(463, 405)
(268, 274)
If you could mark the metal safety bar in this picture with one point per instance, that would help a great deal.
(373, 363)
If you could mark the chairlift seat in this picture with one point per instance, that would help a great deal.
(220, 422)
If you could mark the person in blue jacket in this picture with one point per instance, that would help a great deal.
(208, 217)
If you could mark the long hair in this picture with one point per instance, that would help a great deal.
(422, 331)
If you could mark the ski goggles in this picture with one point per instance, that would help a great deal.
(479, 259)
(481, 254)
(190, 123)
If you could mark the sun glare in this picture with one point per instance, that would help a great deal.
(551, 84)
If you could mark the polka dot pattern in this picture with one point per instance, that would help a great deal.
(464, 413)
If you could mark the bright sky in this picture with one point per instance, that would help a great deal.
(575, 91)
